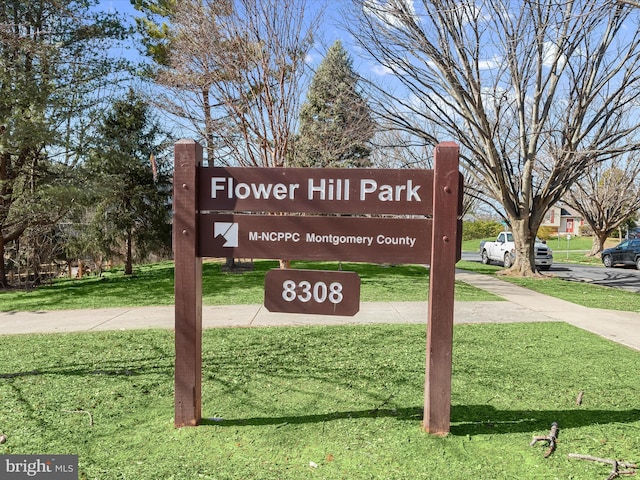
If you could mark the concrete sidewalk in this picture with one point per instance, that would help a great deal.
(521, 305)
(621, 327)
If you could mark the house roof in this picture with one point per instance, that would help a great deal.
(569, 212)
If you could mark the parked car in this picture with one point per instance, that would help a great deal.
(625, 253)
(503, 250)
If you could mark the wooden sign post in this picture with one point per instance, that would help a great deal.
(188, 285)
(445, 250)
(224, 212)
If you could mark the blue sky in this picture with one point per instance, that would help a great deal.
(330, 31)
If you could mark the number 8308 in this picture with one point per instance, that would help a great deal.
(319, 292)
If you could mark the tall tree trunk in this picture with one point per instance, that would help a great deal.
(208, 126)
(524, 240)
(3, 270)
(5, 193)
(128, 268)
(597, 243)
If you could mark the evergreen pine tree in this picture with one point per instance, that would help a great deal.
(335, 121)
(131, 183)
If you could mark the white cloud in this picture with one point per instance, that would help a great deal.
(550, 55)
(381, 70)
(387, 11)
(490, 63)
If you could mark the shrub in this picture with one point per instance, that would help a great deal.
(545, 233)
(479, 229)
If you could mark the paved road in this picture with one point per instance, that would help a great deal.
(624, 278)
(619, 277)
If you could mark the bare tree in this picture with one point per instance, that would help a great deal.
(535, 93)
(181, 50)
(234, 72)
(263, 92)
(607, 196)
(393, 148)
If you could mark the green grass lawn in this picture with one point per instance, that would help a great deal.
(580, 293)
(339, 402)
(152, 284)
(592, 296)
(332, 403)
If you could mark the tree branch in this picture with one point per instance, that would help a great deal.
(550, 440)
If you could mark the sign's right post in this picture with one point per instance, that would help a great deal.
(444, 246)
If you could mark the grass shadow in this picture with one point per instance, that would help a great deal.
(465, 419)
(114, 368)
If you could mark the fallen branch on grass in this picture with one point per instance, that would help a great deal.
(615, 472)
(550, 440)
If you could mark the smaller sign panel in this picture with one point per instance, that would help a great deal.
(322, 292)
(292, 237)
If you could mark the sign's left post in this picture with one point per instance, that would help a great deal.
(188, 285)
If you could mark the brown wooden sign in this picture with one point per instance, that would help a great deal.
(323, 292)
(433, 193)
(288, 237)
(316, 190)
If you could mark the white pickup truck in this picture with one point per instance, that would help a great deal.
(503, 251)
